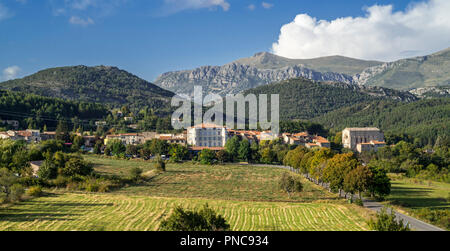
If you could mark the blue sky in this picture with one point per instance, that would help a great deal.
(148, 38)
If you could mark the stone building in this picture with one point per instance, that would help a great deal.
(351, 137)
(207, 135)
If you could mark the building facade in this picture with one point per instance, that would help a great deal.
(207, 135)
(352, 137)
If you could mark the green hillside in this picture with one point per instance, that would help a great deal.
(305, 99)
(36, 111)
(425, 119)
(432, 70)
(101, 84)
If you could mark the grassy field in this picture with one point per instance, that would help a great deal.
(419, 197)
(247, 196)
(230, 182)
(418, 194)
(113, 212)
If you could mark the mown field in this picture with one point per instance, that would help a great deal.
(113, 212)
(229, 182)
(247, 196)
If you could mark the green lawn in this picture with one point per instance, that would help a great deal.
(229, 182)
(113, 212)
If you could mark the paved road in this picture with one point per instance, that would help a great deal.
(414, 223)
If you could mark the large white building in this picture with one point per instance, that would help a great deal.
(207, 135)
(352, 137)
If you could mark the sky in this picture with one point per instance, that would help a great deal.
(150, 37)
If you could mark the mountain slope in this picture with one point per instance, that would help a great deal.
(425, 119)
(261, 69)
(33, 111)
(337, 64)
(100, 84)
(305, 99)
(405, 74)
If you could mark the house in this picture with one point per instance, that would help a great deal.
(322, 142)
(207, 135)
(311, 145)
(35, 166)
(31, 136)
(351, 137)
(371, 146)
(173, 139)
(268, 135)
(11, 123)
(126, 138)
(48, 136)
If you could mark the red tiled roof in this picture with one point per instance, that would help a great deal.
(200, 148)
(208, 126)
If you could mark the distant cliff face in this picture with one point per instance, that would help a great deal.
(411, 73)
(234, 78)
(264, 68)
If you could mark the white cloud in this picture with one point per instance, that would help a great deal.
(382, 34)
(11, 72)
(174, 6)
(251, 7)
(81, 21)
(267, 5)
(4, 12)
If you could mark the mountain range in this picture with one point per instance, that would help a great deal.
(265, 68)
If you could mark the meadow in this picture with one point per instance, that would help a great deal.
(426, 200)
(226, 182)
(115, 212)
(247, 196)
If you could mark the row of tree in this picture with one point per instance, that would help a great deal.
(342, 172)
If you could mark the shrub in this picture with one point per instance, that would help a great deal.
(16, 193)
(203, 220)
(136, 173)
(387, 222)
(160, 165)
(359, 202)
(34, 191)
(290, 183)
(60, 181)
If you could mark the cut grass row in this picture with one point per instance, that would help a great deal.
(114, 212)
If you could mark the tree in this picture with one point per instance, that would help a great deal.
(203, 220)
(337, 168)
(160, 165)
(379, 185)
(357, 180)
(387, 222)
(318, 163)
(116, 147)
(222, 156)
(232, 147)
(10, 190)
(48, 170)
(244, 150)
(76, 166)
(62, 131)
(131, 150)
(98, 147)
(207, 157)
(290, 183)
(178, 152)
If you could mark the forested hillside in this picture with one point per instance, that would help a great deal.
(305, 99)
(425, 120)
(101, 84)
(33, 111)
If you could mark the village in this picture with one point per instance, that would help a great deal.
(214, 137)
